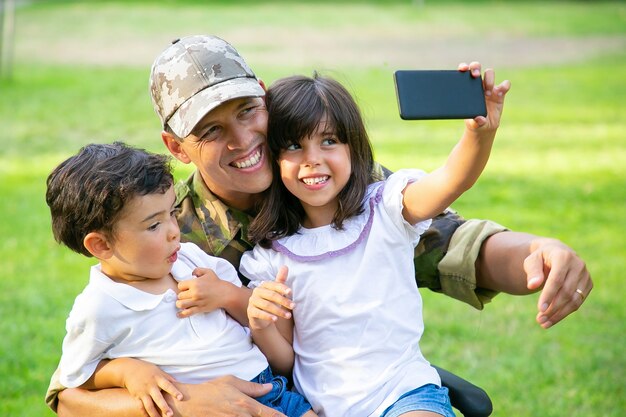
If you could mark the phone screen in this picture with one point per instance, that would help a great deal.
(439, 94)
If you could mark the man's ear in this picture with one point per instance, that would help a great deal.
(263, 85)
(98, 245)
(175, 147)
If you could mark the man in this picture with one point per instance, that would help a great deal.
(213, 114)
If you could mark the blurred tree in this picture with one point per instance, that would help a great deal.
(7, 34)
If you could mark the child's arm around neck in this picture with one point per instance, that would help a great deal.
(435, 192)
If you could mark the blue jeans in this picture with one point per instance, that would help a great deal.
(290, 403)
(428, 397)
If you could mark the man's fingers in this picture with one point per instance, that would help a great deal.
(567, 286)
(533, 266)
(560, 310)
(251, 389)
(567, 300)
(264, 411)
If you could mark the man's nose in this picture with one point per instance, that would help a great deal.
(239, 137)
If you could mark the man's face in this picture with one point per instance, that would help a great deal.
(229, 148)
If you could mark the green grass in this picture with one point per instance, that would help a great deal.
(558, 168)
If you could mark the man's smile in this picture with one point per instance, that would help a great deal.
(250, 160)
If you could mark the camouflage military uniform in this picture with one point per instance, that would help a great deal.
(444, 258)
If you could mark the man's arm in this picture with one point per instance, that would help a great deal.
(225, 396)
(74, 402)
(474, 260)
(520, 263)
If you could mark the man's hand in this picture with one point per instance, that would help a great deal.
(564, 277)
(521, 263)
(222, 397)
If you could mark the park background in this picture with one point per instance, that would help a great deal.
(79, 74)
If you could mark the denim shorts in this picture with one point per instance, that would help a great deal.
(280, 398)
(428, 397)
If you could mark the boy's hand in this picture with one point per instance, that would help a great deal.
(201, 295)
(494, 98)
(145, 382)
(270, 301)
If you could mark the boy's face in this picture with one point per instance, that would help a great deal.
(146, 239)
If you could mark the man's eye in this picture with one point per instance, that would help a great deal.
(154, 226)
(329, 141)
(249, 111)
(293, 147)
(211, 131)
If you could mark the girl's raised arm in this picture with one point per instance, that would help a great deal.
(435, 192)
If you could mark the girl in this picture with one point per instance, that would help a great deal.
(348, 245)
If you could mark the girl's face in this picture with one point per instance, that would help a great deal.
(315, 170)
(146, 239)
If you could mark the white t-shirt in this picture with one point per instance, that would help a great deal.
(112, 320)
(358, 315)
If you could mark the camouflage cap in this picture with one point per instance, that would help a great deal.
(193, 76)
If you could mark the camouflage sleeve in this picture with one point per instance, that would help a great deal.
(52, 395)
(446, 262)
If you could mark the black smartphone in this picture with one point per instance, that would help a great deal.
(439, 94)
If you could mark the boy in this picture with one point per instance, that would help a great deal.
(117, 204)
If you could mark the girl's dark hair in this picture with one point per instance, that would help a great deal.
(296, 105)
(87, 192)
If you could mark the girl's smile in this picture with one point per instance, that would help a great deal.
(313, 181)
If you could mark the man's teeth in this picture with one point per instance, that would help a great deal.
(316, 180)
(253, 160)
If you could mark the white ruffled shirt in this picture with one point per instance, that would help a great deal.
(113, 320)
(358, 315)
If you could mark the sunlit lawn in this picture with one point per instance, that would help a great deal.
(558, 168)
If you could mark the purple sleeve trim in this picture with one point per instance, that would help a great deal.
(331, 254)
